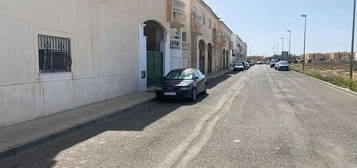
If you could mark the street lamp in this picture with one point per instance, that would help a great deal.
(277, 44)
(289, 31)
(282, 47)
(353, 42)
(304, 56)
(282, 44)
(273, 48)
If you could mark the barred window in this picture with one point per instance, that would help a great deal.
(54, 54)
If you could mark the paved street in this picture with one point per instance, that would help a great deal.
(258, 118)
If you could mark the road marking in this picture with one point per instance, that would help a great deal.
(193, 144)
(236, 141)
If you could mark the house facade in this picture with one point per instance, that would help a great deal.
(225, 46)
(61, 55)
(204, 25)
(239, 51)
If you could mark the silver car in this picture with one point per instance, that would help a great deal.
(282, 66)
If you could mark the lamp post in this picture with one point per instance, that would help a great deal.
(282, 44)
(274, 50)
(277, 45)
(289, 31)
(353, 42)
(303, 62)
(282, 47)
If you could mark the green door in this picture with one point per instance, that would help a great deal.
(155, 68)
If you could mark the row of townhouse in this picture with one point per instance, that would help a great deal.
(58, 55)
(334, 56)
(240, 48)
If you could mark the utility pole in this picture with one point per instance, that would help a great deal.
(352, 56)
(282, 48)
(289, 31)
(282, 44)
(304, 56)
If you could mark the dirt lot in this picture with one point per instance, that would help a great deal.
(328, 68)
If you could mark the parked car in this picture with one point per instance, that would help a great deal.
(282, 66)
(272, 64)
(182, 83)
(238, 66)
(247, 65)
(251, 63)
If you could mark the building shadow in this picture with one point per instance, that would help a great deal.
(136, 118)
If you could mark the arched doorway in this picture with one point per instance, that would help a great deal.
(224, 59)
(227, 59)
(155, 57)
(209, 53)
(202, 55)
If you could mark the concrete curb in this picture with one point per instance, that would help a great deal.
(11, 151)
(329, 84)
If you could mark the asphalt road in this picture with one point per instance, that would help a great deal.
(258, 118)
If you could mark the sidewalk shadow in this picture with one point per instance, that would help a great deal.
(214, 82)
(136, 118)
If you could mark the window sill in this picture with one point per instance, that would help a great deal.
(45, 77)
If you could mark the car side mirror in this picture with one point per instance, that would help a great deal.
(196, 78)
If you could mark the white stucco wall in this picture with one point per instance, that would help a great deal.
(104, 48)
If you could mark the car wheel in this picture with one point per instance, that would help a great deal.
(194, 95)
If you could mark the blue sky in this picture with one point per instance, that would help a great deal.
(261, 23)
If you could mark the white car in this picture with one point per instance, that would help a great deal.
(282, 66)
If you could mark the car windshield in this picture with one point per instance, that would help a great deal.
(239, 64)
(180, 75)
(284, 62)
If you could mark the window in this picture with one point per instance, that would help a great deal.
(210, 23)
(201, 74)
(197, 75)
(180, 75)
(54, 54)
(184, 36)
(204, 19)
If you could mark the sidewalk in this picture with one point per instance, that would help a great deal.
(31, 133)
(217, 74)
(25, 135)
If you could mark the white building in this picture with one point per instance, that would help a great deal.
(239, 48)
(59, 55)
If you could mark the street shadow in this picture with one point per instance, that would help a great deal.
(136, 118)
(214, 82)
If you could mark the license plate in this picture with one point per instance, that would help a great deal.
(170, 93)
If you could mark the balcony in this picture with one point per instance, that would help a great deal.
(231, 45)
(199, 25)
(178, 20)
(223, 39)
(178, 13)
(179, 6)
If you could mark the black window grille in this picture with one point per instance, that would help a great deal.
(54, 54)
